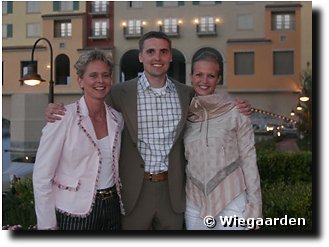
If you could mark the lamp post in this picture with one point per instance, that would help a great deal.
(32, 78)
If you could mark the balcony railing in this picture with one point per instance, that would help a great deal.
(206, 29)
(283, 25)
(170, 30)
(132, 32)
(100, 33)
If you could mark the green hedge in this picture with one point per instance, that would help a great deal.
(289, 167)
(18, 204)
(286, 182)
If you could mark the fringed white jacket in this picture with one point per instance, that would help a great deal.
(67, 164)
(219, 148)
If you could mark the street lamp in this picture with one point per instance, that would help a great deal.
(32, 78)
(303, 97)
(299, 107)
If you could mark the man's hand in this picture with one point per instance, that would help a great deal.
(243, 106)
(54, 112)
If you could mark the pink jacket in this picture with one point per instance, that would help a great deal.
(66, 169)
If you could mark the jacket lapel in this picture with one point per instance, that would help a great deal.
(85, 123)
(184, 94)
(129, 110)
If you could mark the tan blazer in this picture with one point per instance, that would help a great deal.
(123, 97)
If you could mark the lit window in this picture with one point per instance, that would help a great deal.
(99, 6)
(134, 27)
(283, 21)
(170, 25)
(100, 28)
(207, 24)
(63, 28)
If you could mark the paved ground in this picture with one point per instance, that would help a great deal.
(287, 144)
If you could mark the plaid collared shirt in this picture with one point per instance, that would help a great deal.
(158, 114)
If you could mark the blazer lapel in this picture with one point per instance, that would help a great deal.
(184, 95)
(129, 108)
(85, 123)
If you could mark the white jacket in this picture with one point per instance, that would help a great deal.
(67, 164)
(219, 148)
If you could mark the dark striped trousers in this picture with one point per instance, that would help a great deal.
(105, 216)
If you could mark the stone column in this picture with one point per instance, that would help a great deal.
(27, 121)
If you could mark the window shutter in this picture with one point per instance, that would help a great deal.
(159, 3)
(9, 30)
(56, 6)
(9, 7)
(75, 5)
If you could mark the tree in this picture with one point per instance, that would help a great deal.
(305, 116)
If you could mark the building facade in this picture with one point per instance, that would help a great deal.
(264, 46)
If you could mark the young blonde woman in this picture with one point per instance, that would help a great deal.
(222, 175)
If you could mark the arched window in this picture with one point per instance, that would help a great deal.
(130, 65)
(62, 70)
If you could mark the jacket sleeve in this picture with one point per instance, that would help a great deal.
(247, 152)
(47, 160)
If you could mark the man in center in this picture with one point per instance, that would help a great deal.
(152, 162)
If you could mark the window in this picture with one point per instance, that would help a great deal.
(99, 6)
(134, 27)
(7, 31)
(62, 70)
(169, 3)
(207, 2)
(63, 28)
(245, 22)
(33, 30)
(206, 26)
(244, 63)
(7, 7)
(100, 28)
(65, 5)
(283, 63)
(135, 4)
(283, 21)
(170, 26)
(32, 7)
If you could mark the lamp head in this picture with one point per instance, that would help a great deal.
(303, 96)
(31, 78)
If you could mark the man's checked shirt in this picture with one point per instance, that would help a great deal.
(158, 114)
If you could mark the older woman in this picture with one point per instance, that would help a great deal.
(222, 175)
(75, 179)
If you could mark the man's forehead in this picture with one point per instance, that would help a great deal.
(156, 43)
